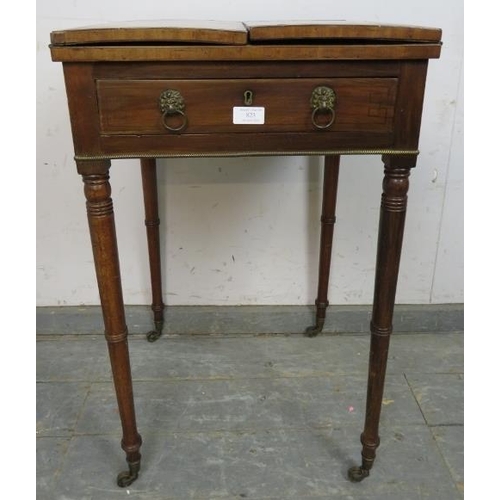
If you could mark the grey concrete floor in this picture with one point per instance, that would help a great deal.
(256, 417)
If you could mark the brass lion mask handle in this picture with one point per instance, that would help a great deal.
(323, 103)
(172, 104)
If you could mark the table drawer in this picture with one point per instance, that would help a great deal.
(136, 107)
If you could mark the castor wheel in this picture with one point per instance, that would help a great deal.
(153, 335)
(127, 477)
(312, 331)
(357, 474)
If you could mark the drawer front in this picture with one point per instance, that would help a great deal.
(133, 107)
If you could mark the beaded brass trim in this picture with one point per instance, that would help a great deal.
(225, 154)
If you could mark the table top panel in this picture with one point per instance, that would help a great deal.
(340, 30)
(237, 33)
(168, 31)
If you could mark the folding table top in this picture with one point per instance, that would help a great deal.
(239, 33)
(238, 40)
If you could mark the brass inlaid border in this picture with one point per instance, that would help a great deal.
(226, 154)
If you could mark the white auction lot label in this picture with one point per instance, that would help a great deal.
(246, 115)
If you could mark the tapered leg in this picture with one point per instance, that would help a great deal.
(330, 184)
(152, 222)
(102, 232)
(390, 239)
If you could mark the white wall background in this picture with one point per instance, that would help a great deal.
(246, 231)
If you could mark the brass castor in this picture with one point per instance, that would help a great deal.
(126, 478)
(155, 334)
(357, 474)
(312, 331)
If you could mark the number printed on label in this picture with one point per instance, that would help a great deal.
(246, 115)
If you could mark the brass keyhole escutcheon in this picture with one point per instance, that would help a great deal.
(248, 97)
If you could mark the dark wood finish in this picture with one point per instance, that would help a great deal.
(215, 32)
(246, 69)
(114, 77)
(390, 240)
(265, 144)
(409, 104)
(363, 104)
(334, 30)
(152, 222)
(105, 249)
(222, 33)
(330, 185)
(82, 104)
(246, 52)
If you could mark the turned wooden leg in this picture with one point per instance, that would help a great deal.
(152, 222)
(390, 239)
(102, 232)
(330, 184)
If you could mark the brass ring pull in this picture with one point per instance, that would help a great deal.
(322, 110)
(171, 104)
(167, 113)
(323, 102)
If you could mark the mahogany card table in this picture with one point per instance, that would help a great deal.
(180, 89)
